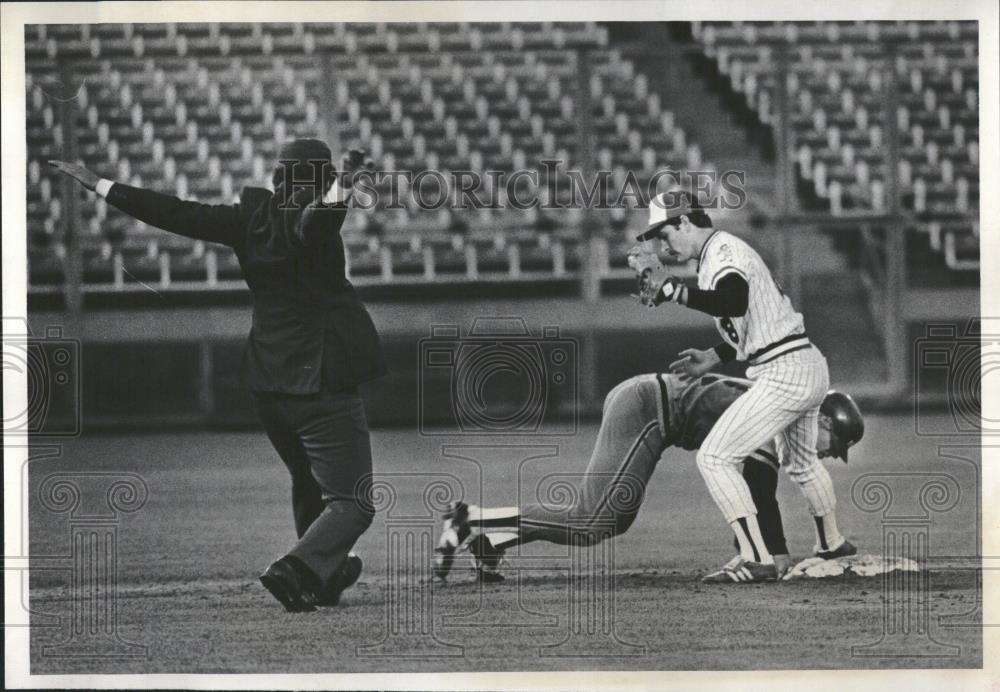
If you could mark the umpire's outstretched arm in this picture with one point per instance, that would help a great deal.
(214, 223)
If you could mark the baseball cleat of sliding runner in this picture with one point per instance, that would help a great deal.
(845, 549)
(740, 571)
(486, 559)
(456, 531)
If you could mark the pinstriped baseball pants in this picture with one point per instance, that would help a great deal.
(784, 403)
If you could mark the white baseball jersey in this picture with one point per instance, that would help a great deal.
(771, 326)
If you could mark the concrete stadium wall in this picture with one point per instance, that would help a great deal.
(181, 366)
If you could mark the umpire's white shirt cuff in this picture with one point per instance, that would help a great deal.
(103, 187)
(337, 194)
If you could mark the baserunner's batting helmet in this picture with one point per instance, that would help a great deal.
(847, 426)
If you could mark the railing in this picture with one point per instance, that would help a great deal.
(563, 260)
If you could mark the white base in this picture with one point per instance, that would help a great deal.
(859, 565)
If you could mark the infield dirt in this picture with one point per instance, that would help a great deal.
(217, 513)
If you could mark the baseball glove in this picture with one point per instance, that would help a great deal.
(650, 274)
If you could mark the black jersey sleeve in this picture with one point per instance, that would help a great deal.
(729, 298)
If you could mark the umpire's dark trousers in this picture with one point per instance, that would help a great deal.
(323, 440)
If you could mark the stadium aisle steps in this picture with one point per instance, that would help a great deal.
(837, 77)
(843, 328)
(698, 111)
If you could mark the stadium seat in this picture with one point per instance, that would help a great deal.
(195, 109)
(836, 82)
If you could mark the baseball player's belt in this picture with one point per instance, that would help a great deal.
(781, 347)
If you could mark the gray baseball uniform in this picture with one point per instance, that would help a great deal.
(642, 417)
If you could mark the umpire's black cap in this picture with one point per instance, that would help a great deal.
(847, 425)
(302, 160)
(306, 150)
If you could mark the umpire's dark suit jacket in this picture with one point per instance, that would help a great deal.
(310, 330)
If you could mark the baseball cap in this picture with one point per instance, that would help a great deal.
(666, 209)
(302, 161)
(306, 150)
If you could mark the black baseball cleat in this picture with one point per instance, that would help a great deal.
(291, 582)
(345, 578)
(845, 549)
(456, 531)
(486, 559)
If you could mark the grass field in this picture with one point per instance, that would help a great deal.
(218, 512)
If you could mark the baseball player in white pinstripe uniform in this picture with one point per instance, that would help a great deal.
(759, 326)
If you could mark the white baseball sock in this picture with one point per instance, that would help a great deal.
(494, 516)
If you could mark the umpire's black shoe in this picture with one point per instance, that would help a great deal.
(292, 582)
(345, 578)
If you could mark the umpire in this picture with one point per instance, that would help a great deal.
(312, 343)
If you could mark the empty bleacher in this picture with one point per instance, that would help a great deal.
(198, 109)
(837, 81)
